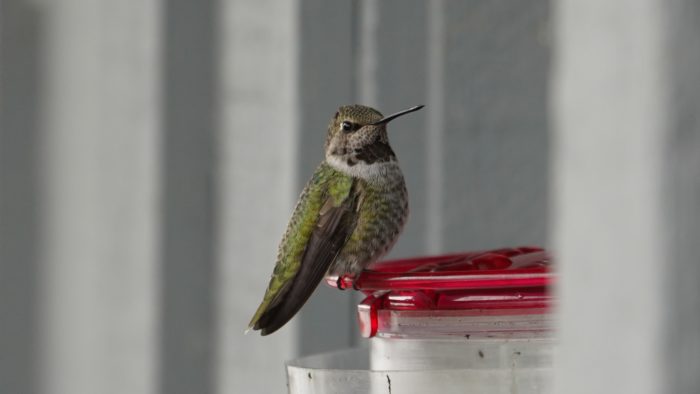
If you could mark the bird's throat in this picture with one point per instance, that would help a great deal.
(355, 167)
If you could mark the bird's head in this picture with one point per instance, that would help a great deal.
(358, 135)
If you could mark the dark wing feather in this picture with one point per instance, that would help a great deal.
(334, 226)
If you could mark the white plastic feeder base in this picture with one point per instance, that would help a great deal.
(401, 366)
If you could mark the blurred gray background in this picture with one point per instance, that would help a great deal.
(151, 152)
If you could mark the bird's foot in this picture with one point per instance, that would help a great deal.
(339, 283)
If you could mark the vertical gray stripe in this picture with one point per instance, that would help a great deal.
(19, 94)
(367, 56)
(99, 169)
(681, 191)
(610, 123)
(187, 321)
(435, 125)
(256, 183)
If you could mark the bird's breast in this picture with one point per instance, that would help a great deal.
(381, 216)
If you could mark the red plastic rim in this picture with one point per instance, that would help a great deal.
(508, 268)
(501, 282)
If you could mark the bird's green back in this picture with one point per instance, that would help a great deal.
(326, 185)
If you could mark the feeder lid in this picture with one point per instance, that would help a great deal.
(508, 268)
(494, 282)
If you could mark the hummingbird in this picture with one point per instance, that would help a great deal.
(349, 215)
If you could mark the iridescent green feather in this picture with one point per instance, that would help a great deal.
(326, 183)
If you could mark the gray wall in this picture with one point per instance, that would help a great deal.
(626, 189)
(19, 226)
(152, 151)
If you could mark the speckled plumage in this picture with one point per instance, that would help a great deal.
(349, 214)
(382, 214)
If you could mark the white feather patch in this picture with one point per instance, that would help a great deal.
(362, 170)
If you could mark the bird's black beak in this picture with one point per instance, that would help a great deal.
(389, 118)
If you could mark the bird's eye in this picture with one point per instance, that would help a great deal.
(346, 126)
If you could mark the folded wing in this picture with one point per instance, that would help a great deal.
(332, 224)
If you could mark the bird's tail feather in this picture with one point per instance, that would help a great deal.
(277, 316)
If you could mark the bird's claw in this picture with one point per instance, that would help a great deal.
(340, 282)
